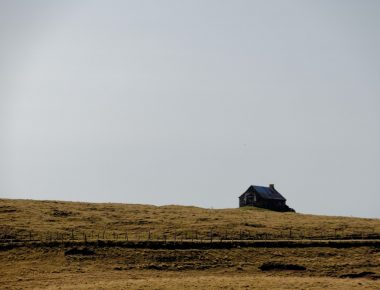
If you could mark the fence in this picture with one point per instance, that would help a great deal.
(211, 235)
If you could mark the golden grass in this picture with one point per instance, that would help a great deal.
(137, 220)
(47, 267)
(199, 281)
(190, 269)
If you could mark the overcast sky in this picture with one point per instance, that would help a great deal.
(190, 102)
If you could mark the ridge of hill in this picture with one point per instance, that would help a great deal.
(39, 217)
(74, 245)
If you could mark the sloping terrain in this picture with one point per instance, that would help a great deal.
(139, 221)
(123, 268)
(32, 256)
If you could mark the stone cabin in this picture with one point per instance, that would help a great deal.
(264, 197)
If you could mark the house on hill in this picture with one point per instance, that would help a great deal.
(264, 197)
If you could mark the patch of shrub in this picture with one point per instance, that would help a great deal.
(166, 258)
(357, 275)
(254, 225)
(61, 213)
(280, 266)
(156, 267)
(76, 251)
(7, 209)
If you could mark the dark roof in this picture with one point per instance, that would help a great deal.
(265, 192)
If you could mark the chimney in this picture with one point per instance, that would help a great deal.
(271, 186)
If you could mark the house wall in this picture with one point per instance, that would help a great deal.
(241, 201)
(252, 199)
(248, 199)
(271, 204)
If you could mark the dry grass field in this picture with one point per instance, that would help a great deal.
(41, 217)
(88, 266)
(121, 268)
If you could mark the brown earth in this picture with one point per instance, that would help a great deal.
(77, 265)
(45, 218)
(120, 268)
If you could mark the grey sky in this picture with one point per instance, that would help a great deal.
(190, 102)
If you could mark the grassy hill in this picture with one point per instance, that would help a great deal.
(81, 264)
(41, 217)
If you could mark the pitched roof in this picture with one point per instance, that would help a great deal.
(265, 192)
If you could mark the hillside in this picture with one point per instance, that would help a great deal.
(27, 217)
(71, 245)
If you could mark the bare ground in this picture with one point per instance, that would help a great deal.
(77, 265)
(117, 268)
